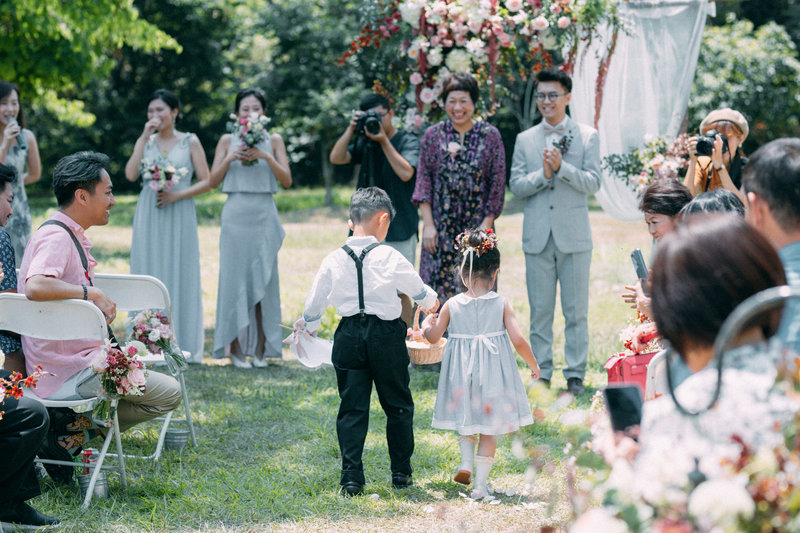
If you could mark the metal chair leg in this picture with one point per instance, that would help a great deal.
(185, 396)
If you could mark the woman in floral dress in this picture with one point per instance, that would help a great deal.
(461, 182)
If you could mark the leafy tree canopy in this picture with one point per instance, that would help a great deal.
(756, 72)
(52, 48)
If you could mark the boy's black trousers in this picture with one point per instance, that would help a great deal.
(367, 349)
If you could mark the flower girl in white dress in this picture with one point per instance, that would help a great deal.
(480, 389)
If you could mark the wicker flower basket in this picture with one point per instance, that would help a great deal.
(422, 352)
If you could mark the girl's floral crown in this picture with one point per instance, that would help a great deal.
(488, 242)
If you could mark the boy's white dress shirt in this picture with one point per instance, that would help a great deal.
(385, 273)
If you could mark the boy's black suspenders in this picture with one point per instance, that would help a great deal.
(359, 266)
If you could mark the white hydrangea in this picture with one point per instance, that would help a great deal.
(720, 503)
(459, 61)
(435, 56)
(410, 10)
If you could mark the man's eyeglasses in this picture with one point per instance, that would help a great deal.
(549, 97)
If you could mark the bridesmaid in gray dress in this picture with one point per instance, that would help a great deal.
(248, 301)
(18, 149)
(165, 242)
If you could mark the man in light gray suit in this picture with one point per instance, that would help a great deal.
(555, 167)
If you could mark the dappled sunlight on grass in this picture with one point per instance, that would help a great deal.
(268, 455)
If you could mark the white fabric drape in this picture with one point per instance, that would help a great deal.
(647, 86)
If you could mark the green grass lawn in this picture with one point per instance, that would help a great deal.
(267, 458)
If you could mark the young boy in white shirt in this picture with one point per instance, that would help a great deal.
(362, 281)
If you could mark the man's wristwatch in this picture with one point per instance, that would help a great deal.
(719, 167)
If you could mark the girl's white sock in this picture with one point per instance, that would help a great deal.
(480, 488)
(467, 445)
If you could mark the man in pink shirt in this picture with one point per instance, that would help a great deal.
(58, 265)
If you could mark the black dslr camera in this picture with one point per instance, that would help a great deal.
(705, 143)
(370, 121)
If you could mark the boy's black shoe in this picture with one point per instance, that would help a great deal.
(575, 386)
(401, 481)
(23, 516)
(352, 488)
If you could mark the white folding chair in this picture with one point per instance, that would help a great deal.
(132, 292)
(64, 320)
(656, 383)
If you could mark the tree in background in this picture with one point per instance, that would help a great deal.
(756, 72)
(196, 71)
(53, 49)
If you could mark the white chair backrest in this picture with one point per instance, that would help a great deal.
(133, 292)
(52, 320)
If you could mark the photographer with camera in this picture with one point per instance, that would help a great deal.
(388, 159)
(716, 159)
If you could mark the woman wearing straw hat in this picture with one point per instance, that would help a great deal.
(723, 167)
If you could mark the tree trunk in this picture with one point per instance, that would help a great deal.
(327, 173)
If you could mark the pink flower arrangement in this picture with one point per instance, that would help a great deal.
(161, 175)
(251, 130)
(121, 372)
(496, 40)
(153, 331)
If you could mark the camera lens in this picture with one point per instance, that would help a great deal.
(372, 125)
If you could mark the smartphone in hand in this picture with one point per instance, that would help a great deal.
(624, 404)
(641, 269)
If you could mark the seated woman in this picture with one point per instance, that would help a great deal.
(698, 279)
(9, 342)
(661, 204)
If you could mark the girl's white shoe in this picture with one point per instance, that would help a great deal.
(481, 492)
(482, 466)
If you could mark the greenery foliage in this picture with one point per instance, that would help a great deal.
(755, 71)
(52, 49)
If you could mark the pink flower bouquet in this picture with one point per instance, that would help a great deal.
(251, 130)
(161, 176)
(121, 374)
(153, 330)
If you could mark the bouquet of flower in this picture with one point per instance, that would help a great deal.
(161, 175)
(661, 158)
(153, 330)
(121, 373)
(11, 387)
(251, 130)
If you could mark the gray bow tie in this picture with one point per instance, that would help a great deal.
(549, 130)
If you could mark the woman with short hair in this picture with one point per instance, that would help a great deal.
(461, 180)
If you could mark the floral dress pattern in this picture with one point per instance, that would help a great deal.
(463, 183)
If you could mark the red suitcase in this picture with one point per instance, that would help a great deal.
(629, 369)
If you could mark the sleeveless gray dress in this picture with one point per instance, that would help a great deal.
(251, 234)
(19, 224)
(165, 245)
(480, 388)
